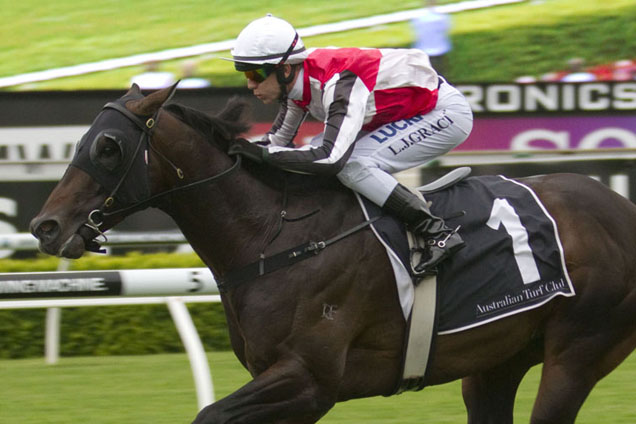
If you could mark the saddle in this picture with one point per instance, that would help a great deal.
(445, 181)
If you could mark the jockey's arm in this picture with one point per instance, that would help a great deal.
(289, 119)
(344, 100)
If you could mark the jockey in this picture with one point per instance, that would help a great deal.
(385, 110)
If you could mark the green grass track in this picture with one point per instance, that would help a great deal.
(159, 389)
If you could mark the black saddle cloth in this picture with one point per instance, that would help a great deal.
(513, 260)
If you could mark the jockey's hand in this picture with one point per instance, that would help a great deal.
(242, 147)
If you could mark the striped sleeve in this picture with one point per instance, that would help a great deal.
(344, 99)
(288, 121)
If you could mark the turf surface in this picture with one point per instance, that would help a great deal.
(159, 389)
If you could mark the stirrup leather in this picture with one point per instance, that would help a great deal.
(416, 257)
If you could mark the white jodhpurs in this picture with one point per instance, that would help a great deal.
(405, 144)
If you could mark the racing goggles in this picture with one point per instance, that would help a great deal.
(259, 74)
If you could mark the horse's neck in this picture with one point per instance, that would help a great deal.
(231, 220)
(227, 222)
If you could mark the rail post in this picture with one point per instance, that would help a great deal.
(194, 348)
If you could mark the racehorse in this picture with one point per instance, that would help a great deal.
(329, 328)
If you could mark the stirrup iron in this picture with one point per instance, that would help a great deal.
(442, 243)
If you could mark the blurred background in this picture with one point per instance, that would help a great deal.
(531, 38)
(552, 84)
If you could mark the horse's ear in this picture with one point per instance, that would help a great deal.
(151, 103)
(134, 90)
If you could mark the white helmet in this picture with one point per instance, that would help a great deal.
(267, 40)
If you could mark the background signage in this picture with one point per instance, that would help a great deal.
(39, 130)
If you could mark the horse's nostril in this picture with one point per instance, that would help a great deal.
(47, 230)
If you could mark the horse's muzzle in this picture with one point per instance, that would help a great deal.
(49, 232)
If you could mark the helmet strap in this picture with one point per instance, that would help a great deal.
(284, 81)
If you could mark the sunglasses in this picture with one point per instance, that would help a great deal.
(260, 74)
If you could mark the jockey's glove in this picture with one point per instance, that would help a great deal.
(252, 151)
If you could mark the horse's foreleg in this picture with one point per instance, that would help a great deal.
(286, 392)
(490, 396)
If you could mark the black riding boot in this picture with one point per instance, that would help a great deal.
(441, 241)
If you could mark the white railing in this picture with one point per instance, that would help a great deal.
(180, 283)
(26, 241)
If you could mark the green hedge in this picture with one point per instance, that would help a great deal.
(111, 330)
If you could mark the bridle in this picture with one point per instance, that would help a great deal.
(97, 216)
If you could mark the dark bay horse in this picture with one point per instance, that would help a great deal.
(142, 152)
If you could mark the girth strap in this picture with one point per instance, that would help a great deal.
(267, 264)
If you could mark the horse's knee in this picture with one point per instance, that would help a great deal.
(286, 392)
(310, 398)
(316, 403)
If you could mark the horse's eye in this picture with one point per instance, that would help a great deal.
(107, 152)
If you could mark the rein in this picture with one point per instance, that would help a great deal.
(149, 201)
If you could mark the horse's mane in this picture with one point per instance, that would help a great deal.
(218, 129)
(222, 128)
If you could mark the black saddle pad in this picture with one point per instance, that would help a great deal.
(513, 260)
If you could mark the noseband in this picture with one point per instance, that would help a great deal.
(96, 217)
